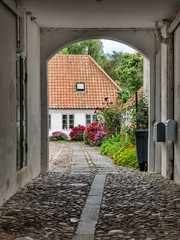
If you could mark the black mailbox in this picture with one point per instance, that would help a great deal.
(159, 132)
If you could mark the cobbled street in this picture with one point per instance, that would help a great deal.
(86, 197)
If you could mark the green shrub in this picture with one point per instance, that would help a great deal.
(121, 150)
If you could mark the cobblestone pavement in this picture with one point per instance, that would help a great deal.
(132, 205)
(139, 206)
(47, 208)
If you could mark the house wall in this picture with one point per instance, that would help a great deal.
(79, 118)
(177, 101)
(10, 179)
(7, 103)
(146, 73)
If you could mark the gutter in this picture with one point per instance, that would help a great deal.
(160, 38)
(174, 24)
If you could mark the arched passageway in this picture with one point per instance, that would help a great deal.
(55, 40)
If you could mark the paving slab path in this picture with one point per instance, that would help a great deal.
(87, 197)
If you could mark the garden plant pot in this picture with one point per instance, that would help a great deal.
(141, 137)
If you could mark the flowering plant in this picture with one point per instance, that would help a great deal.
(58, 135)
(77, 133)
(94, 134)
(121, 150)
(111, 114)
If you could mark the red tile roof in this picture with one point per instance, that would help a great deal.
(64, 71)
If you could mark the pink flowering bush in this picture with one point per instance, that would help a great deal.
(58, 135)
(77, 133)
(95, 134)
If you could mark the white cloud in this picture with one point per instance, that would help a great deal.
(110, 46)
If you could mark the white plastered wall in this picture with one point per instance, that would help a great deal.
(79, 118)
(10, 179)
(177, 102)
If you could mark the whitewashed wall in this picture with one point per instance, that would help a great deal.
(79, 118)
(177, 103)
(10, 179)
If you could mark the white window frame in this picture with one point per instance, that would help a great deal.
(90, 119)
(80, 87)
(68, 121)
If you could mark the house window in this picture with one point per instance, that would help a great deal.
(90, 119)
(94, 118)
(21, 113)
(71, 121)
(80, 87)
(68, 121)
(49, 121)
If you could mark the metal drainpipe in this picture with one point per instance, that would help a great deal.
(170, 95)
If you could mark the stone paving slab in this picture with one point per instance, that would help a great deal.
(83, 237)
(103, 166)
(94, 200)
(86, 228)
(79, 163)
(90, 212)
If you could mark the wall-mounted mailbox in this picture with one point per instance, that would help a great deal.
(170, 130)
(159, 132)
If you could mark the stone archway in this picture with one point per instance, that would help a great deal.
(53, 40)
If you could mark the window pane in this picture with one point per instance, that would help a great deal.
(65, 122)
(80, 86)
(49, 121)
(94, 118)
(88, 120)
(71, 121)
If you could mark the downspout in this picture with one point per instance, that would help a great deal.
(170, 95)
(160, 38)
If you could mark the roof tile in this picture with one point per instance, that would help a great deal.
(65, 71)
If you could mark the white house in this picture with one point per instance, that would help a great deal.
(77, 85)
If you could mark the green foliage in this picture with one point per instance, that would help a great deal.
(111, 115)
(140, 117)
(130, 73)
(121, 150)
(94, 48)
(111, 63)
(126, 156)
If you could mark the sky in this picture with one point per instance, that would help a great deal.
(110, 46)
